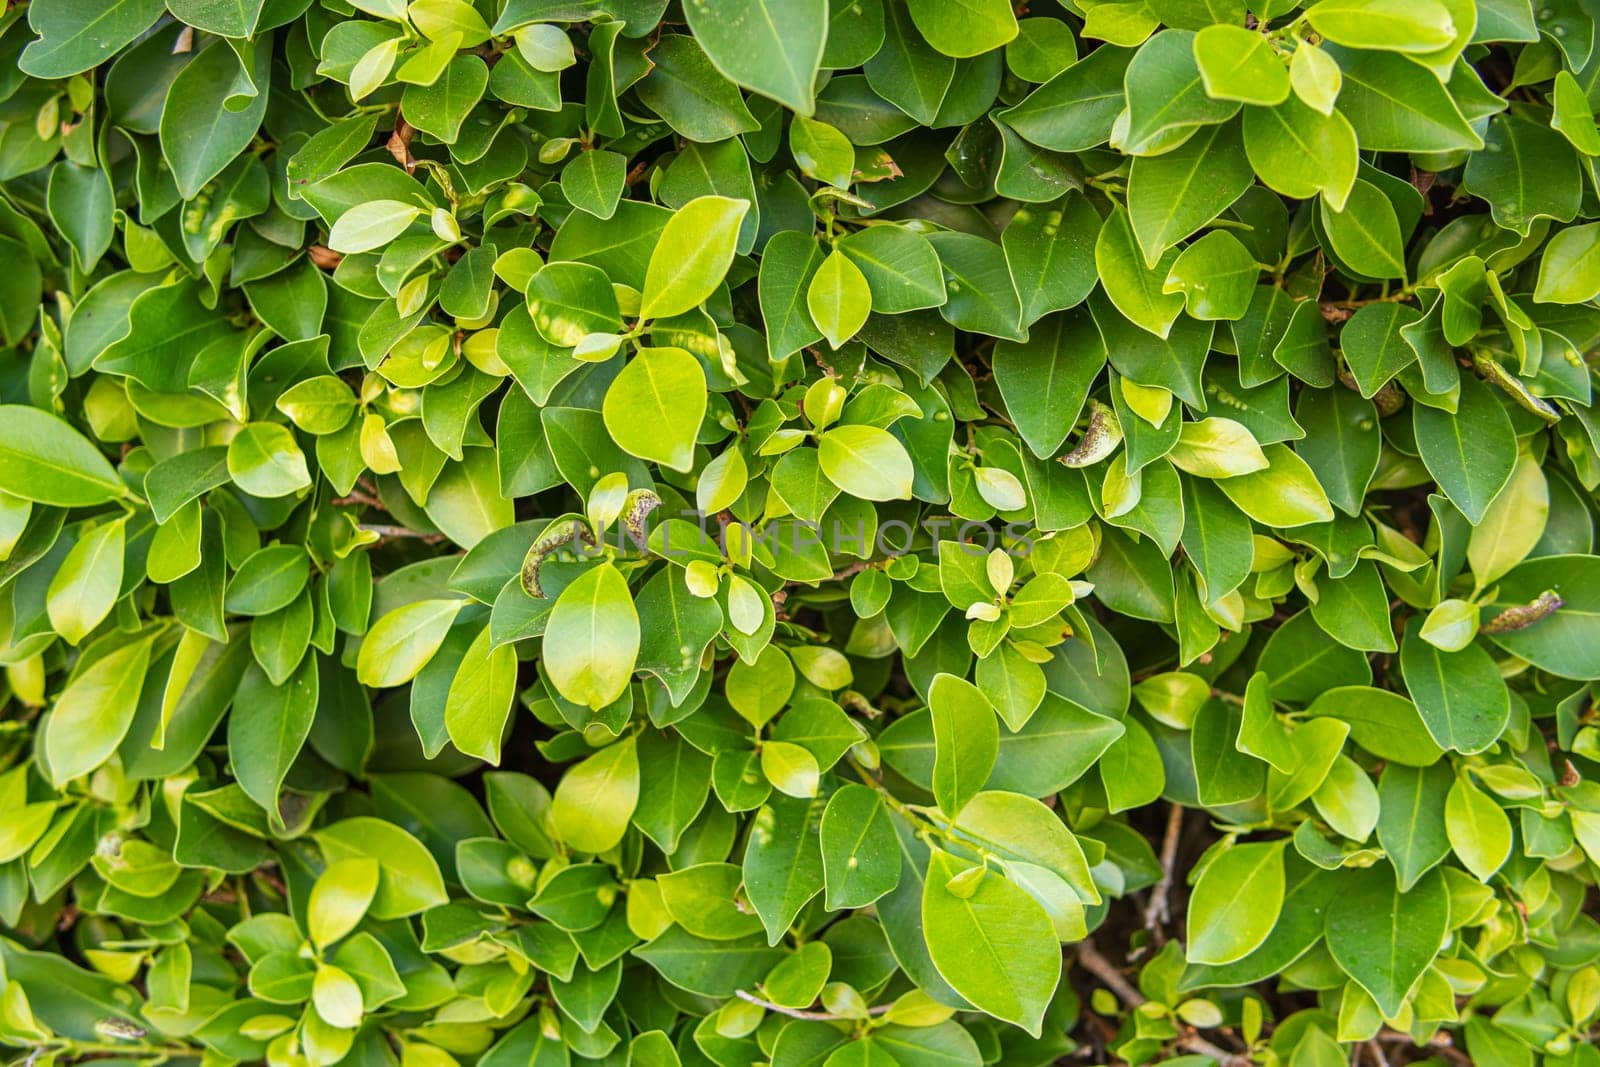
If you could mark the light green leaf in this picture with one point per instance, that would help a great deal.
(866, 462)
(402, 641)
(480, 698)
(94, 711)
(592, 639)
(1415, 26)
(991, 941)
(965, 739)
(596, 798)
(839, 298)
(409, 881)
(1480, 832)
(1237, 64)
(340, 897)
(964, 28)
(83, 590)
(1217, 447)
(1236, 902)
(654, 406)
(1285, 493)
(43, 459)
(692, 255)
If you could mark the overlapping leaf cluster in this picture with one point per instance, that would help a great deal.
(538, 531)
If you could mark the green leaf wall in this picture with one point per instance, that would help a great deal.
(809, 533)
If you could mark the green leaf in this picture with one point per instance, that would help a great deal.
(1216, 275)
(1460, 696)
(1172, 195)
(1236, 64)
(990, 940)
(480, 698)
(200, 133)
(86, 586)
(1569, 269)
(593, 182)
(45, 460)
(596, 798)
(340, 898)
(867, 462)
(1300, 151)
(1472, 452)
(1366, 234)
(591, 641)
(838, 298)
(1236, 902)
(1025, 834)
(1526, 171)
(409, 881)
(402, 641)
(900, 266)
(965, 738)
(1479, 831)
(1217, 447)
(1384, 937)
(1284, 493)
(1397, 105)
(75, 35)
(1046, 379)
(1135, 289)
(783, 866)
(268, 728)
(569, 301)
(770, 48)
(1166, 94)
(371, 225)
(964, 28)
(94, 711)
(822, 152)
(1513, 524)
(1049, 254)
(654, 407)
(264, 460)
(860, 857)
(1411, 821)
(692, 255)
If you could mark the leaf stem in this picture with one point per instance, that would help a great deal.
(815, 1016)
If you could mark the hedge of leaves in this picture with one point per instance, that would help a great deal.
(843, 533)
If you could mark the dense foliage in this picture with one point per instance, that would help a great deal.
(844, 533)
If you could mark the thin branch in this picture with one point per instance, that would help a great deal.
(357, 496)
(401, 531)
(1091, 960)
(1157, 911)
(1096, 964)
(796, 1013)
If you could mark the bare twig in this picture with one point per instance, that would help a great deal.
(1190, 1041)
(1091, 960)
(795, 1013)
(358, 496)
(1157, 911)
(383, 530)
